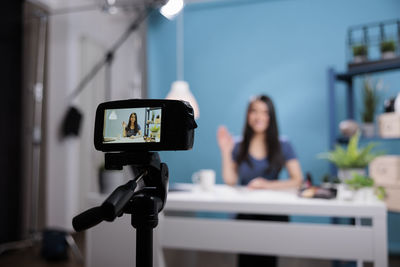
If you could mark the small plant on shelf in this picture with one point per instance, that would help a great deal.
(388, 49)
(370, 101)
(360, 53)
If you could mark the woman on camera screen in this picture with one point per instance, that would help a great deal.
(133, 128)
(257, 160)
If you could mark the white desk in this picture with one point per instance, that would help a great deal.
(324, 241)
(329, 241)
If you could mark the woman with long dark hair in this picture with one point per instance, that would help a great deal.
(133, 128)
(257, 160)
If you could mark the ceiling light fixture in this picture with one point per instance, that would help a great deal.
(171, 8)
(180, 88)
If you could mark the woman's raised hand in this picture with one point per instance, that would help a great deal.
(123, 124)
(225, 140)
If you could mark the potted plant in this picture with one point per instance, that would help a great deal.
(360, 53)
(370, 101)
(388, 49)
(361, 187)
(155, 131)
(352, 159)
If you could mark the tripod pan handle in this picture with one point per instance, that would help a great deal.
(88, 219)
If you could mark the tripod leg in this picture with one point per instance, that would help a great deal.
(75, 250)
(158, 250)
(144, 247)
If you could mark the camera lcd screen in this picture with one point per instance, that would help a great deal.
(132, 125)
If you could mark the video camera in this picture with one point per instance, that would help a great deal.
(130, 131)
(144, 125)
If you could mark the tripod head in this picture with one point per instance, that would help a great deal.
(151, 185)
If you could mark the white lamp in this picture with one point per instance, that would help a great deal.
(180, 91)
(113, 116)
(180, 88)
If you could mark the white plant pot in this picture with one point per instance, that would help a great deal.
(364, 194)
(368, 129)
(346, 174)
(388, 55)
(109, 180)
(345, 193)
(360, 59)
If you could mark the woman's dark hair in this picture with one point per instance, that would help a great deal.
(273, 145)
(135, 125)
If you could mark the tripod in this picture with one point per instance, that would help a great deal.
(142, 197)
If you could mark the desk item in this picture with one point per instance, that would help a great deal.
(205, 179)
(389, 125)
(318, 192)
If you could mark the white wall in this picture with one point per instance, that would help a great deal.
(65, 186)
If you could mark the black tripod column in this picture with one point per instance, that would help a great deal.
(145, 218)
(144, 247)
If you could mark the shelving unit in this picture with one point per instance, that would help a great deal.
(348, 77)
(150, 120)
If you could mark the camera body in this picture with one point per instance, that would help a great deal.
(137, 125)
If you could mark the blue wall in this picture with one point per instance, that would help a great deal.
(235, 49)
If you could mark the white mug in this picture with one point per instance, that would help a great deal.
(205, 179)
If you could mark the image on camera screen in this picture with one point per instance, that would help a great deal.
(132, 125)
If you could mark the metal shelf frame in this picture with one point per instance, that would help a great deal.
(348, 77)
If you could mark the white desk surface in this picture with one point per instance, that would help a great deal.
(329, 241)
(225, 198)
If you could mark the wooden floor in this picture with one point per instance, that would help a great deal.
(30, 257)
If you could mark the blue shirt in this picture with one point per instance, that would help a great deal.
(133, 132)
(246, 172)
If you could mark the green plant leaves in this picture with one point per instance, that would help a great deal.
(352, 157)
(370, 99)
(388, 46)
(360, 50)
(359, 181)
(380, 192)
(155, 128)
